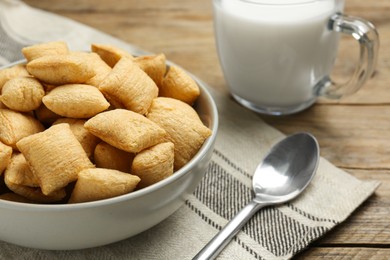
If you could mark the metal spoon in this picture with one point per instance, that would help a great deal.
(283, 174)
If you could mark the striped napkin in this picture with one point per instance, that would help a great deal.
(243, 139)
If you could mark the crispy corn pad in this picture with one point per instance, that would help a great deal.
(184, 129)
(2, 105)
(101, 70)
(87, 140)
(71, 68)
(22, 94)
(15, 179)
(14, 126)
(125, 130)
(5, 156)
(154, 164)
(35, 194)
(13, 72)
(19, 172)
(55, 157)
(43, 49)
(179, 85)
(109, 53)
(129, 86)
(10, 196)
(45, 115)
(75, 101)
(153, 65)
(109, 157)
(97, 184)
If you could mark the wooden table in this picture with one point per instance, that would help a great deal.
(354, 134)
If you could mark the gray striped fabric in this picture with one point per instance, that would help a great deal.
(9, 48)
(243, 139)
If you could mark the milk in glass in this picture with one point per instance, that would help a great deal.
(274, 52)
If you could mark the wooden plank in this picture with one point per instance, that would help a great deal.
(349, 136)
(368, 9)
(333, 253)
(122, 6)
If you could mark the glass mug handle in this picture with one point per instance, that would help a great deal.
(367, 36)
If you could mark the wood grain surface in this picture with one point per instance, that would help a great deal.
(354, 133)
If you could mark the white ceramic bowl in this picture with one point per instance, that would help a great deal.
(91, 224)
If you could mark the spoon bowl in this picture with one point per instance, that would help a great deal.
(283, 174)
(287, 169)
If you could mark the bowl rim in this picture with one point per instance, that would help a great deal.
(208, 144)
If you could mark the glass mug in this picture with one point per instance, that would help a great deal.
(277, 55)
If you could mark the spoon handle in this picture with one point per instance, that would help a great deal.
(215, 246)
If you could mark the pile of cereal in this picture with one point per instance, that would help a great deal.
(78, 126)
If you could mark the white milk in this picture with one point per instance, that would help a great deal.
(272, 54)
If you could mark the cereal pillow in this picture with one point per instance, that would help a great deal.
(19, 179)
(10, 196)
(55, 157)
(184, 129)
(22, 94)
(101, 70)
(43, 49)
(14, 126)
(98, 184)
(87, 140)
(19, 172)
(61, 69)
(13, 72)
(45, 115)
(109, 157)
(75, 101)
(132, 132)
(129, 86)
(154, 164)
(153, 65)
(109, 53)
(34, 194)
(179, 85)
(5, 156)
